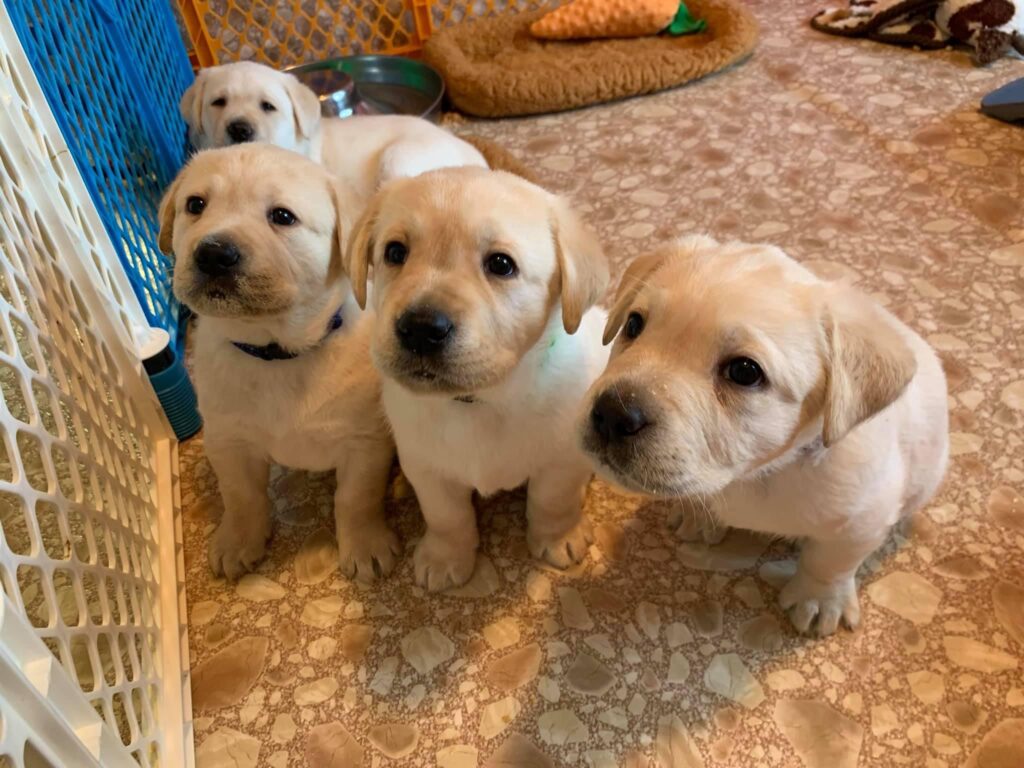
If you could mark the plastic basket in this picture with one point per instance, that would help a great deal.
(113, 72)
(286, 32)
(93, 648)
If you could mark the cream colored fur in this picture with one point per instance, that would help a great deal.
(363, 151)
(848, 433)
(320, 411)
(524, 349)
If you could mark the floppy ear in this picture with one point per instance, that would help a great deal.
(870, 366)
(166, 218)
(359, 253)
(344, 208)
(191, 104)
(632, 281)
(583, 269)
(305, 106)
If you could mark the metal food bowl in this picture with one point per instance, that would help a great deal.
(374, 85)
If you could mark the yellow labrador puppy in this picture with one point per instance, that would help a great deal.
(246, 102)
(773, 401)
(282, 360)
(482, 285)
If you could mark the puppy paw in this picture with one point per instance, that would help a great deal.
(440, 564)
(235, 550)
(562, 550)
(808, 599)
(368, 553)
(690, 525)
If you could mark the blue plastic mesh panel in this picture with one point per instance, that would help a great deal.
(113, 72)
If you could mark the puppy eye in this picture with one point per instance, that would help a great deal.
(195, 205)
(500, 265)
(743, 372)
(634, 325)
(395, 253)
(266, 106)
(282, 217)
(221, 102)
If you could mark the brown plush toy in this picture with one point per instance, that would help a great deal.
(991, 27)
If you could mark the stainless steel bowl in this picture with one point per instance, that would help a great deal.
(374, 85)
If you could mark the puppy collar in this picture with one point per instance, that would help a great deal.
(275, 351)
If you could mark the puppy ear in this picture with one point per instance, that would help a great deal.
(359, 253)
(305, 106)
(632, 281)
(344, 215)
(191, 104)
(870, 366)
(583, 269)
(166, 217)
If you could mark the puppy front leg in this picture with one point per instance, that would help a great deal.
(824, 586)
(557, 530)
(446, 555)
(240, 540)
(367, 547)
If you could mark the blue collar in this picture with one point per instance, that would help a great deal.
(275, 351)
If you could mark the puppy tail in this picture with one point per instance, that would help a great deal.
(500, 159)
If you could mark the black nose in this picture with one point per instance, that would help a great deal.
(423, 330)
(618, 416)
(216, 259)
(239, 131)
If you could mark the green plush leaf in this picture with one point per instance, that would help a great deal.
(685, 24)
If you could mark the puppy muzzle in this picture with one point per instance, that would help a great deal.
(426, 353)
(619, 433)
(618, 416)
(424, 331)
(240, 131)
(217, 258)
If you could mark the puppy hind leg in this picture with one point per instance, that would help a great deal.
(824, 587)
(411, 157)
(367, 547)
(694, 520)
(446, 555)
(557, 529)
(240, 540)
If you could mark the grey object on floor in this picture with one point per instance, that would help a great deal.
(1006, 103)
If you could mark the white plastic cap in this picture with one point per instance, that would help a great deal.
(151, 342)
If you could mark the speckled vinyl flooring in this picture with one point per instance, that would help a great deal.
(870, 164)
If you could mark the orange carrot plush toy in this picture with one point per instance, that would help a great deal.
(615, 18)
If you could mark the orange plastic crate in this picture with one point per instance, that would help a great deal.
(286, 32)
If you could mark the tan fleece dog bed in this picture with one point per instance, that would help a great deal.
(496, 68)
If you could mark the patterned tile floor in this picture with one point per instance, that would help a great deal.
(869, 163)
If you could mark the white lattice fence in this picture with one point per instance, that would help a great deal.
(93, 655)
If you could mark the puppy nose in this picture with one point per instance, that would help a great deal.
(617, 416)
(239, 131)
(216, 259)
(423, 330)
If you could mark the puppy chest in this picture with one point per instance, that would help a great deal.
(486, 451)
(312, 437)
(304, 451)
(291, 431)
(501, 471)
